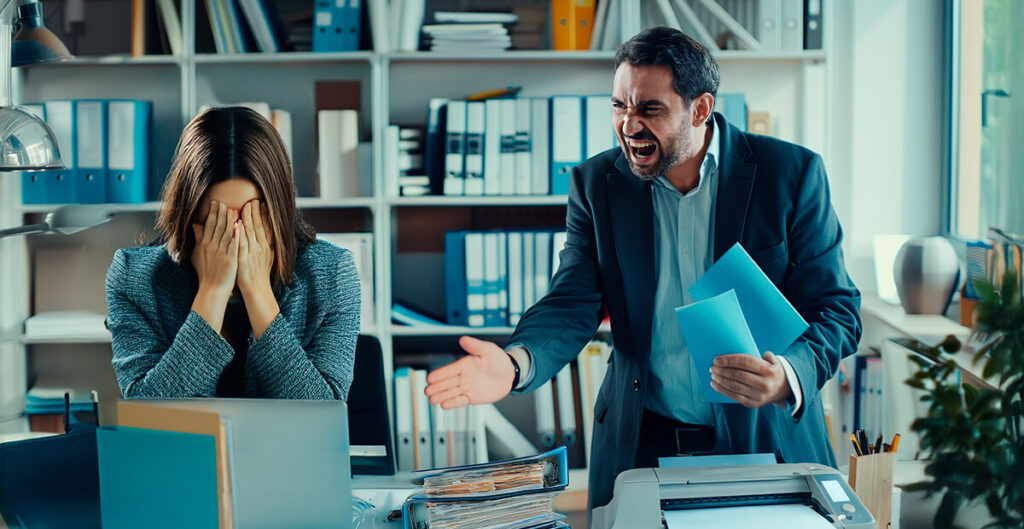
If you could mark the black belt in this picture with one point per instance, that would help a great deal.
(664, 437)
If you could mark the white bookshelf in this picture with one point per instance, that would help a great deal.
(395, 88)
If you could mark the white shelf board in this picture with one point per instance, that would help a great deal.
(283, 57)
(447, 330)
(113, 208)
(301, 202)
(341, 203)
(587, 55)
(923, 327)
(83, 339)
(508, 200)
(113, 60)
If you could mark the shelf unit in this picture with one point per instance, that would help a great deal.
(395, 89)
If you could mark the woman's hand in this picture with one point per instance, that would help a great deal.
(215, 258)
(255, 261)
(255, 253)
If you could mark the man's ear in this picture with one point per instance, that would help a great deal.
(701, 109)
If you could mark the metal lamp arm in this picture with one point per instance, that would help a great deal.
(28, 228)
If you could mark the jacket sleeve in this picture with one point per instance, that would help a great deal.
(818, 286)
(149, 364)
(280, 366)
(555, 329)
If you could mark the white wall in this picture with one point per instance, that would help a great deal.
(887, 159)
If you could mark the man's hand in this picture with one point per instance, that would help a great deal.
(482, 377)
(751, 381)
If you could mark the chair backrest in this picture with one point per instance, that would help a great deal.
(369, 422)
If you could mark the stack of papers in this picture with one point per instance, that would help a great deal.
(464, 38)
(510, 494)
(46, 399)
(67, 324)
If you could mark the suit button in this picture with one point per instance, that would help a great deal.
(636, 384)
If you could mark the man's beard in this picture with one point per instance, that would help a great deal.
(670, 154)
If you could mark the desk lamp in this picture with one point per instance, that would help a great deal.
(26, 143)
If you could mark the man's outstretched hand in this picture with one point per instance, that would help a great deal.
(483, 376)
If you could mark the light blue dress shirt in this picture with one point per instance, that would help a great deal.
(683, 250)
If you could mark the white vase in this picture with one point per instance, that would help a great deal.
(927, 271)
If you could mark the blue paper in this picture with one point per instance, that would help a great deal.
(772, 320)
(725, 460)
(715, 327)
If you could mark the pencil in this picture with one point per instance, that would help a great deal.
(895, 442)
(856, 445)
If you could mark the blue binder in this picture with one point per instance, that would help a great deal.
(32, 190)
(60, 117)
(87, 178)
(567, 140)
(455, 278)
(127, 175)
(336, 25)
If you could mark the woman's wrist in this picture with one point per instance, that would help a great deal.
(210, 303)
(261, 306)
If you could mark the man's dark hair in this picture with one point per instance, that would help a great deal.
(693, 69)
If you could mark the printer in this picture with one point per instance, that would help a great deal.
(644, 498)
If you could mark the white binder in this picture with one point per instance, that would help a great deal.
(475, 138)
(455, 140)
(492, 149)
(406, 449)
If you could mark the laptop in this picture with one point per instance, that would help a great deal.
(289, 460)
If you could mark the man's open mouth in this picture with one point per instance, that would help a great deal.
(642, 150)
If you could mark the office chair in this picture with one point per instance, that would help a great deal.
(368, 419)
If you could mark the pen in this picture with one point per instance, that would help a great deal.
(96, 407)
(862, 438)
(856, 445)
(886, 447)
(895, 442)
(67, 412)
(878, 444)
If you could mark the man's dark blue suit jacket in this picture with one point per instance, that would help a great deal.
(773, 197)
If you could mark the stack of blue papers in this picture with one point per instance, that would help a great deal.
(736, 310)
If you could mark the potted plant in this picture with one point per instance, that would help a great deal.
(974, 436)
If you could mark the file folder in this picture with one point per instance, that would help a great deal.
(529, 275)
(128, 124)
(544, 408)
(421, 421)
(566, 405)
(89, 175)
(336, 25)
(456, 304)
(769, 21)
(33, 189)
(476, 293)
(542, 268)
(508, 146)
(492, 284)
(492, 148)
(572, 24)
(515, 277)
(792, 25)
(600, 136)
(475, 123)
(540, 146)
(566, 140)
(454, 176)
(403, 419)
(524, 158)
(60, 117)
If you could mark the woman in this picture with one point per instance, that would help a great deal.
(240, 300)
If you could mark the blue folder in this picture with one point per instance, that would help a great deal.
(714, 327)
(127, 175)
(455, 278)
(89, 175)
(772, 320)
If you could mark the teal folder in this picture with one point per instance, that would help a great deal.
(772, 320)
(714, 327)
(156, 479)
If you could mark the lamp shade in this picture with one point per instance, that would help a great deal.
(26, 143)
(34, 44)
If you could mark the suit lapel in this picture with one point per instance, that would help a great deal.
(632, 216)
(735, 183)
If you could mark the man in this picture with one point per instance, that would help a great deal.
(643, 223)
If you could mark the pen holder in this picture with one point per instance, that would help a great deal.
(871, 479)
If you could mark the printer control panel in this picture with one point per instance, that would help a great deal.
(845, 504)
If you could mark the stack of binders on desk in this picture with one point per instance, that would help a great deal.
(510, 494)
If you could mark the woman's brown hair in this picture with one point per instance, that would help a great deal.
(224, 143)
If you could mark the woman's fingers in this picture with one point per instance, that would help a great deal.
(211, 221)
(242, 234)
(261, 225)
(233, 243)
(247, 220)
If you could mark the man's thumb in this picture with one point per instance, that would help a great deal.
(473, 346)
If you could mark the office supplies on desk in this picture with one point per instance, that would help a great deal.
(871, 477)
(715, 327)
(642, 495)
(291, 459)
(772, 320)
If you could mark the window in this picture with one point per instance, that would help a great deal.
(987, 125)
